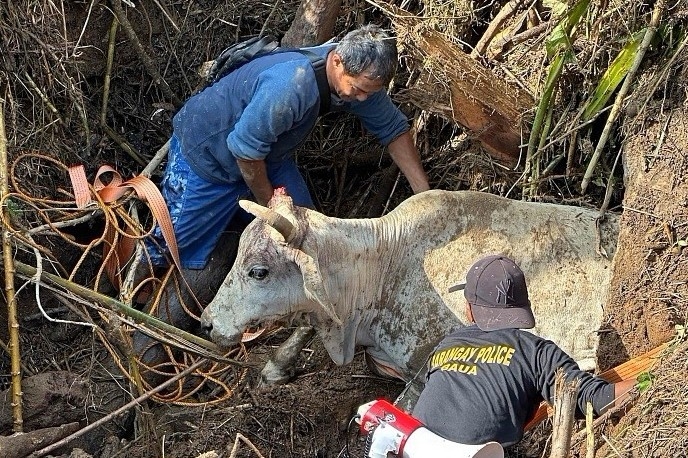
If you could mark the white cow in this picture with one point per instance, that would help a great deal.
(382, 283)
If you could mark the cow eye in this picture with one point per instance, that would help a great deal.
(259, 273)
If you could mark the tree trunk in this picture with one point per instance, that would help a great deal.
(459, 88)
(313, 24)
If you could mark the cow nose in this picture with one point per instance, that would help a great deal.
(206, 324)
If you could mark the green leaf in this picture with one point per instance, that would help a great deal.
(560, 38)
(645, 380)
(612, 77)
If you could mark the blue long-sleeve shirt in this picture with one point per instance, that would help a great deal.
(264, 110)
(484, 386)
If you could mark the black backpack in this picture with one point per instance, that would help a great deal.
(240, 53)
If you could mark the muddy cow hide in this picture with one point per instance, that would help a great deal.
(383, 283)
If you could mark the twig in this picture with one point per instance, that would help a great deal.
(580, 435)
(157, 159)
(505, 13)
(123, 144)
(662, 74)
(49, 228)
(44, 98)
(625, 87)
(167, 15)
(145, 58)
(235, 447)
(112, 33)
(513, 40)
(117, 412)
(8, 261)
(130, 150)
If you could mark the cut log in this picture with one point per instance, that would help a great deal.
(23, 444)
(460, 89)
(313, 24)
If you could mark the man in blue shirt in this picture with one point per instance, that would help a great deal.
(237, 137)
(485, 381)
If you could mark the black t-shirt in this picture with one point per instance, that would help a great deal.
(484, 386)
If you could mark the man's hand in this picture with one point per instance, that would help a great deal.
(406, 157)
(256, 178)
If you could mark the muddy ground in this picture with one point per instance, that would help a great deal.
(71, 377)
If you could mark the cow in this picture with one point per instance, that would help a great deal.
(382, 283)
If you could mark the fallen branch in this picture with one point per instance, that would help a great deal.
(459, 88)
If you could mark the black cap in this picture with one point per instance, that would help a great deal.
(496, 289)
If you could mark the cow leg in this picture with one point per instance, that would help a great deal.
(204, 283)
(281, 368)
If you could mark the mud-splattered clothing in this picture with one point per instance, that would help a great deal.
(484, 386)
(263, 110)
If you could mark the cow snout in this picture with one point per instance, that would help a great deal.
(206, 323)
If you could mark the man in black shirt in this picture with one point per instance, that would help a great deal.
(486, 380)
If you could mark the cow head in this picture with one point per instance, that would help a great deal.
(273, 279)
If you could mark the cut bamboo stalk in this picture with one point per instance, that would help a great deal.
(8, 262)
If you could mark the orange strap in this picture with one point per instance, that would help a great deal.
(145, 190)
(629, 369)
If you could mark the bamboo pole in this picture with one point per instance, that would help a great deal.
(8, 261)
(137, 315)
(589, 432)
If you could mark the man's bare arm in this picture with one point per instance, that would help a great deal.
(622, 390)
(256, 177)
(405, 155)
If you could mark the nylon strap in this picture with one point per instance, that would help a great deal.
(145, 189)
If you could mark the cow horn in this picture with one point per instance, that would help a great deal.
(274, 219)
(313, 282)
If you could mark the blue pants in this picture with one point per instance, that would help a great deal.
(201, 210)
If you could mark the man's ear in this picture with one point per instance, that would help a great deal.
(337, 59)
(469, 313)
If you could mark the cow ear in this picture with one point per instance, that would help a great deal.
(313, 282)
